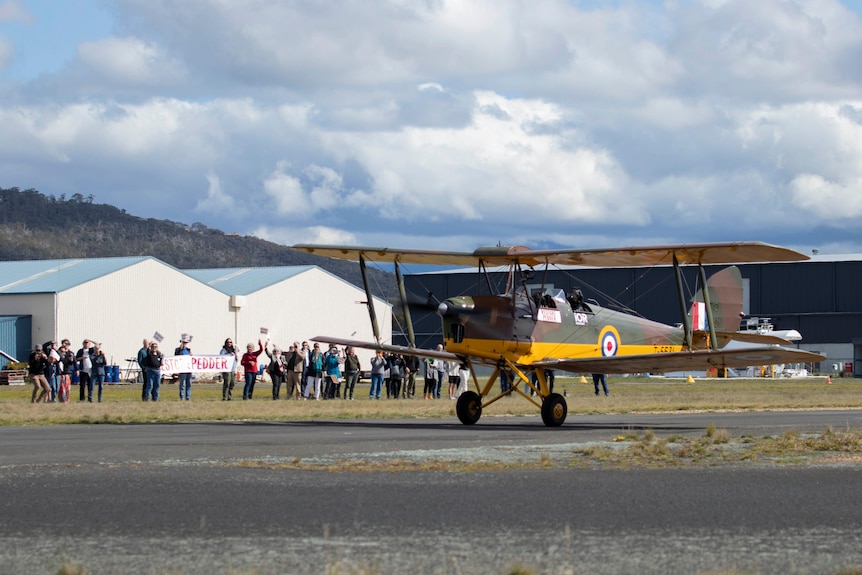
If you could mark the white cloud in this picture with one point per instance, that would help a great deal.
(285, 191)
(292, 235)
(130, 61)
(13, 11)
(448, 123)
(216, 201)
(836, 201)
(519, 161)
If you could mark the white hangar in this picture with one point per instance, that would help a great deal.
(121, 301)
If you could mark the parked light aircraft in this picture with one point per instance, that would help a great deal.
(527, 333)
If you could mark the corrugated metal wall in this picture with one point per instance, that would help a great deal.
(122, 308)
(15, 338)
(313, 303)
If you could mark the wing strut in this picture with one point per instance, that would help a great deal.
(686, 326)
(369, 300)
(713, 340)
(411, 338)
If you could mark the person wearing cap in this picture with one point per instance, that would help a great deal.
(36, 366)
(185, 377)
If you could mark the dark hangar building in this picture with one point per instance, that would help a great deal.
(820, 298)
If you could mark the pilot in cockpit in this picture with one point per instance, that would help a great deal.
(576, 298)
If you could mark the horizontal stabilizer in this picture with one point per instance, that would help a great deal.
(758, 338)
(682, 361)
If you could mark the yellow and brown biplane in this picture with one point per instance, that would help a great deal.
(526, 332)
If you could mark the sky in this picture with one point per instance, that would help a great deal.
(445, 124)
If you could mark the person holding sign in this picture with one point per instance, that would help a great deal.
(153, 362)
(249, 364)
(185, 378)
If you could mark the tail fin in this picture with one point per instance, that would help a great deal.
(725, 298)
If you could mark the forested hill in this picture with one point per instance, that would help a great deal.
(34, 226)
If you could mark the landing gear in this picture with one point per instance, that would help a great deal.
(554, 410)
(469, 407)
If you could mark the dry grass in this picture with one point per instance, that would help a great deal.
(716, 446)
(122, 403)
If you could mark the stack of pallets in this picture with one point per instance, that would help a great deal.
(12, 376)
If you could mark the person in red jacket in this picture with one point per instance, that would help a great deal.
(249, 364)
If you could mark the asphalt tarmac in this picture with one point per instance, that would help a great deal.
(211, 498)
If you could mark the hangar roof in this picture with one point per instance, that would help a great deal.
(54, 276)
(245, 281)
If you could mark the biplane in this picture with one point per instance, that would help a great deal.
(528, 332)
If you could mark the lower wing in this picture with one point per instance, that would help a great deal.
(681, 361)
(403, 350)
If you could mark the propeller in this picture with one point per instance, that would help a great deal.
(428, 302)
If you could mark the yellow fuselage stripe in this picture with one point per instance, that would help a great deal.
(525, 353)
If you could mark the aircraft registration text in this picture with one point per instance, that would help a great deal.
(550, 315)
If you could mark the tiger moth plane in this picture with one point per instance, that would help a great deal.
(527, 332)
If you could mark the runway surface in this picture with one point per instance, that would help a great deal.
(211, 498)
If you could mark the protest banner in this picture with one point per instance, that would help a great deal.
(198, 363)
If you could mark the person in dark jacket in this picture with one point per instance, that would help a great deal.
(97, 372)
(153, 363)
(37, 364)
(351, 372)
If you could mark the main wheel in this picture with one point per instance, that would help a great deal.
(554, 410)
(469, 407)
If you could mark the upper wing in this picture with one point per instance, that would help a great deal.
(682, 361)
(711, 253)
(403, 350)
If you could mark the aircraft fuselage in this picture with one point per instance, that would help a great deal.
(525, 330)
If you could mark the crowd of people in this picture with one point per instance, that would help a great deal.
(304, 371)
(52, 367)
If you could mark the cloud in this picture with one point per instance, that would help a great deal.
(129, 62)
(286, 191)
(837, 201)
(305, 235)
(457, 123)
(13, 11)
(216, 201)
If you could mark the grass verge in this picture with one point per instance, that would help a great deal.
(122, 403)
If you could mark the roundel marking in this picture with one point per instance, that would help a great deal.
(609, 341)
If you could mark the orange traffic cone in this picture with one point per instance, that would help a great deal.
(828, 380)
